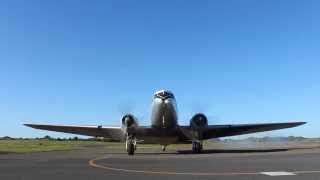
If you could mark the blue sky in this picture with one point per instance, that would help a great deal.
(88, 62)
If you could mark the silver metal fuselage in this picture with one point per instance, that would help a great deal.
(164, 120)
(164, 114)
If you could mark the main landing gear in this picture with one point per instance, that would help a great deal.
(131, 145)
(196, 147)
(164, 148)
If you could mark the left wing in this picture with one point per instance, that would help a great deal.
(216, 131)
(114, 133)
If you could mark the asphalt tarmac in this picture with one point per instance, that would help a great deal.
(101, 162)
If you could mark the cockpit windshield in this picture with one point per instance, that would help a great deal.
(163, 94)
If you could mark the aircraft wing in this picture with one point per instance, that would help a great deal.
(114, 133)
(216, 131)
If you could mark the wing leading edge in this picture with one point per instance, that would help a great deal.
(216, 131)
(211, 131)
(114, 133)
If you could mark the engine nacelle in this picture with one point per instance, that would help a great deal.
(129, 121)
(198, 121)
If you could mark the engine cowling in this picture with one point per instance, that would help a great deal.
(129, 121)
(198, 121)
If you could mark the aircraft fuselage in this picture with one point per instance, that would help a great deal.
(164, 119)
(164, 112)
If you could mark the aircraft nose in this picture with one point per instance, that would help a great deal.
(163, 94)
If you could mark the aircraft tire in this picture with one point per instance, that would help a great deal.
(130, 149)
(196, 147)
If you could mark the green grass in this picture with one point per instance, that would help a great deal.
(32, 145)
(24, 146)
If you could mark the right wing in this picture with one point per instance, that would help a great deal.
(114, 133)
(233, 130)
(217, 131)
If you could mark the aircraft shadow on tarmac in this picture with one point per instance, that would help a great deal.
(4, 152)
(214, 151)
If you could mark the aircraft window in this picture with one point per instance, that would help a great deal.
(164, 94)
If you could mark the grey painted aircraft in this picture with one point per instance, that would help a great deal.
(164, 129)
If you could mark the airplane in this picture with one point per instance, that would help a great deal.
(164, 129)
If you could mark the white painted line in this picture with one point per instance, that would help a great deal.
(278, 173)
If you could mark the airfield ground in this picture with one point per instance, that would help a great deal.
(41, 145)
(97, 160)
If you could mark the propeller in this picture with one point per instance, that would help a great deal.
(197, 107)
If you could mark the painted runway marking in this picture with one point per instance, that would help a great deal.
(278, 173)
(94, 164)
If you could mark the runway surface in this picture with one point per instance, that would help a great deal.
(101, 162)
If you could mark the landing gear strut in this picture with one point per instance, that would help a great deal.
(131, 145)
(196, 147)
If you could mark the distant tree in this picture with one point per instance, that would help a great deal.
(6, 138)
(291, 138)
(47, 137)
(75, 138)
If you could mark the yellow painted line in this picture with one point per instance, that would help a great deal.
(93, 163)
